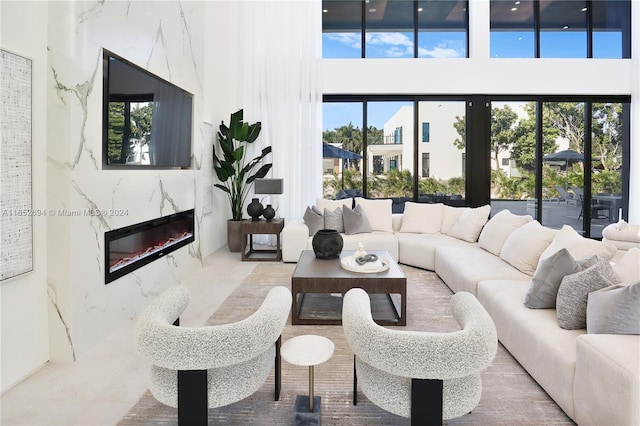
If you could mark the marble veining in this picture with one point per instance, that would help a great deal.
(160, 40)
(165, 196)
(51, 292)
(81, 91)
(93, 12)
(186, 31)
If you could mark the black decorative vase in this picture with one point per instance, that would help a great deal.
(269, 213)
(255, 209)
(327, 244)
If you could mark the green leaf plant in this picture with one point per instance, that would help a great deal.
(230, 165)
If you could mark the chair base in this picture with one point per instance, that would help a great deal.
(426, 399)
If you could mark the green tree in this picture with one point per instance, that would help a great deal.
(115, 132)
(523, 151)
(141, 119)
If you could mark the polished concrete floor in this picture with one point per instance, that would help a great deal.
(101, 387)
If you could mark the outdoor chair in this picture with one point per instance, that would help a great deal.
(196, 368)
(564, 195)
(425, 376)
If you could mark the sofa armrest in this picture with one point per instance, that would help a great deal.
(606, 386)
(295, 236)
(396, 221)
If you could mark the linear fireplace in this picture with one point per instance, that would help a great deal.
(129, 248)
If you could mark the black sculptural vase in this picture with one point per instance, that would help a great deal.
(269, 213)
(255, 209)
(327, 244)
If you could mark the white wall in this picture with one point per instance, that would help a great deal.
(23, 318)
(63, 308)
(481, 74)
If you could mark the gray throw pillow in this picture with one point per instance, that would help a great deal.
(571, 304)
(355, 221)
(614, 310)
(333, 219)
(313, 219)
(543, 289)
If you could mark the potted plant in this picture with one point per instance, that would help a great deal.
(235, 172)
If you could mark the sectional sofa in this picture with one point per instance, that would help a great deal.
(593, 376)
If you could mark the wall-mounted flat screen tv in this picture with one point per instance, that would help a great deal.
(147, 121)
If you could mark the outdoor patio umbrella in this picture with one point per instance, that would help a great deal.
(330, 151)
(568, 156)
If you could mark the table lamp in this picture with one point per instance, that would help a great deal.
(268, 187)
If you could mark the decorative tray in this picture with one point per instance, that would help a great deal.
(349, 263)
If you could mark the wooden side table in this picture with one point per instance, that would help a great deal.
(248, 228)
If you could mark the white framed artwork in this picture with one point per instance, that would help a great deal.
(16, 212)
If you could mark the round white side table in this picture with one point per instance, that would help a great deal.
(307, 350)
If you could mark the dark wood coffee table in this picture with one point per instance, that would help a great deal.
(318, 286)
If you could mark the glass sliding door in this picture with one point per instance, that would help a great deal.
(606, 165)
(513, 142)
(563, 165)
(390, 153)
(441, 150)
(342, 142)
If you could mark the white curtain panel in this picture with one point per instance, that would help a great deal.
(281, 53)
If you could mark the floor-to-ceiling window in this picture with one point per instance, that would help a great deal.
(408, 148)
(555, 139)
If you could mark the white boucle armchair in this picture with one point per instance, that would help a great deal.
(196, 368)
(426, 376)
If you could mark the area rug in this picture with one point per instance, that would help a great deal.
(509, 395)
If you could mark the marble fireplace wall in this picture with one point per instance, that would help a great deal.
(166, 38)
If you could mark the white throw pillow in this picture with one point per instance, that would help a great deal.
(628, 267)
(578, 246)
(422, 218)
(378, 212)
(332, 205)
(450, 216)
(470, 223)
(524, 245)
(497, 230)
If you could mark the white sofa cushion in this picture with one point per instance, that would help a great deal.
(322, 203)
(614, 309)
(419, 250)
(422, 218)
(606, 389)
(533, 337)
(628, 267)
(450, 216)
(462, 267)
(578, 246)
(378, 212)
(498, 228)
(524, 246)
(470, 223)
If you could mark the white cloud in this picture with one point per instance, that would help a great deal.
(437, 52)
(392, 39)
(348, 39)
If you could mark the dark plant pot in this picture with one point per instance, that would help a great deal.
(327, 244)
(234, 236)
(254, 209)
(269, 213)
